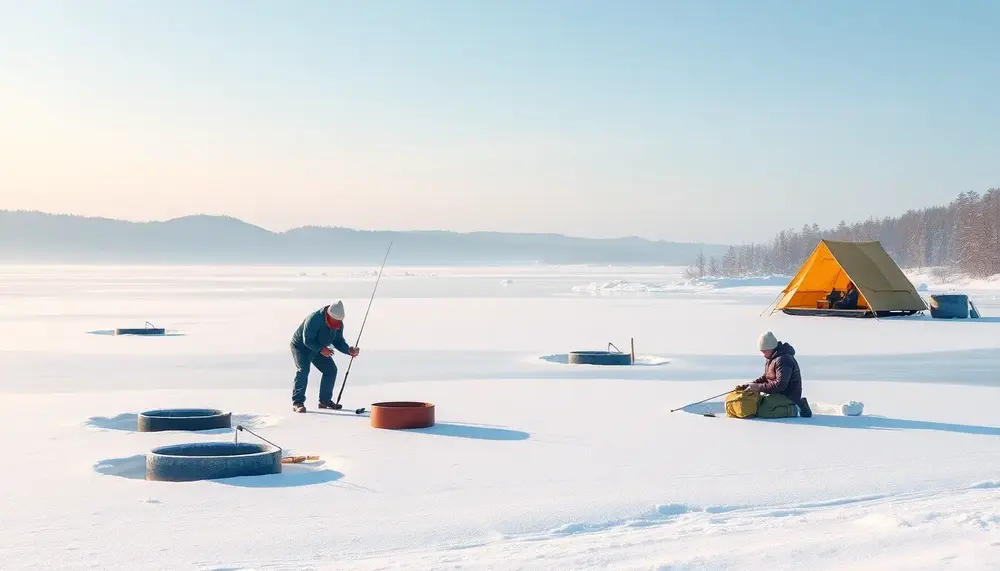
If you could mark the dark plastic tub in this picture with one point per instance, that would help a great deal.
(211, 461)
(949, 306)
(184, 419)
(599, 358)
(141, 331)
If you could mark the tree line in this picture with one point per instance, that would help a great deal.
(963, 236)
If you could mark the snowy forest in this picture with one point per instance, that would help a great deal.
(963, 236)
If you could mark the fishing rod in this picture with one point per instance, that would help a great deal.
(363, 321)
(701, 401)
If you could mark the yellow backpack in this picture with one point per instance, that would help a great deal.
(742, 405)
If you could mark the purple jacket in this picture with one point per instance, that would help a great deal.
(781, 374)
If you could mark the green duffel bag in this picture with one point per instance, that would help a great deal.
(776, 406)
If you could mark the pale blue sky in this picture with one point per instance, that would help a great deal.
(700, 120)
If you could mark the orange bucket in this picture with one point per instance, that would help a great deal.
(402, 414)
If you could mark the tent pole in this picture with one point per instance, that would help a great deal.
(772, 303)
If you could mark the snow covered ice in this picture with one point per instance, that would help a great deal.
(533, 463)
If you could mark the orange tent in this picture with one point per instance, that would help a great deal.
(882, 287)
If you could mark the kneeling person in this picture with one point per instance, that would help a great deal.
(781, 382)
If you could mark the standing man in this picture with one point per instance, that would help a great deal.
(311, 344)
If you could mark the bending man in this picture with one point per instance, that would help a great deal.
(321, 329)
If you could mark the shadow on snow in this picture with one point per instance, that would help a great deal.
(452, 429)
(863, 422)
(291, 476)
(474, 431)
(134, 468)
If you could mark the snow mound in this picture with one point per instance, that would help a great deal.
(127, 422)
(391, 274)
(697, 285)
(883, 522)
(660, 514)
(672, 509)
(624, 286)
(987, 485)
(256, 421)
(131, 467)
(744, 282)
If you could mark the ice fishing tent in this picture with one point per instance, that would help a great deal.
(882, 287)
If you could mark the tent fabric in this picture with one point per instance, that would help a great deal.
(880, 282)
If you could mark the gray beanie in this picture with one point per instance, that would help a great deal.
(767, 342)
(336, 310)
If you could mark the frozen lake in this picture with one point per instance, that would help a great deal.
(534, 464)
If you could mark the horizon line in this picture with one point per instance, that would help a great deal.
(308, 226)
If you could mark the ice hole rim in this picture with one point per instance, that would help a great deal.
(188, 419)
(598, 358)
(231, 449)
(196, 461)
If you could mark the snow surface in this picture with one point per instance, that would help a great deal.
(533, 463)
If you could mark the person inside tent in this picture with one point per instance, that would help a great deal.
(850, 299)
(781, 382)
(320, 330)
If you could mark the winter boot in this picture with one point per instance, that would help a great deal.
(804, 410)
(298, 407)
(329, 404)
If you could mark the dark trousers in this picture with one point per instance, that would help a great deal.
(303, 358)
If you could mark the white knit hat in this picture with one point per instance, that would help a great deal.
(336, 310)
(767, 342)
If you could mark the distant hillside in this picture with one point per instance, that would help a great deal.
(34, 237)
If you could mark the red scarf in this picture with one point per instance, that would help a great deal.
(333, 323)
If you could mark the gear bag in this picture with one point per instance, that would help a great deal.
(740, 404)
